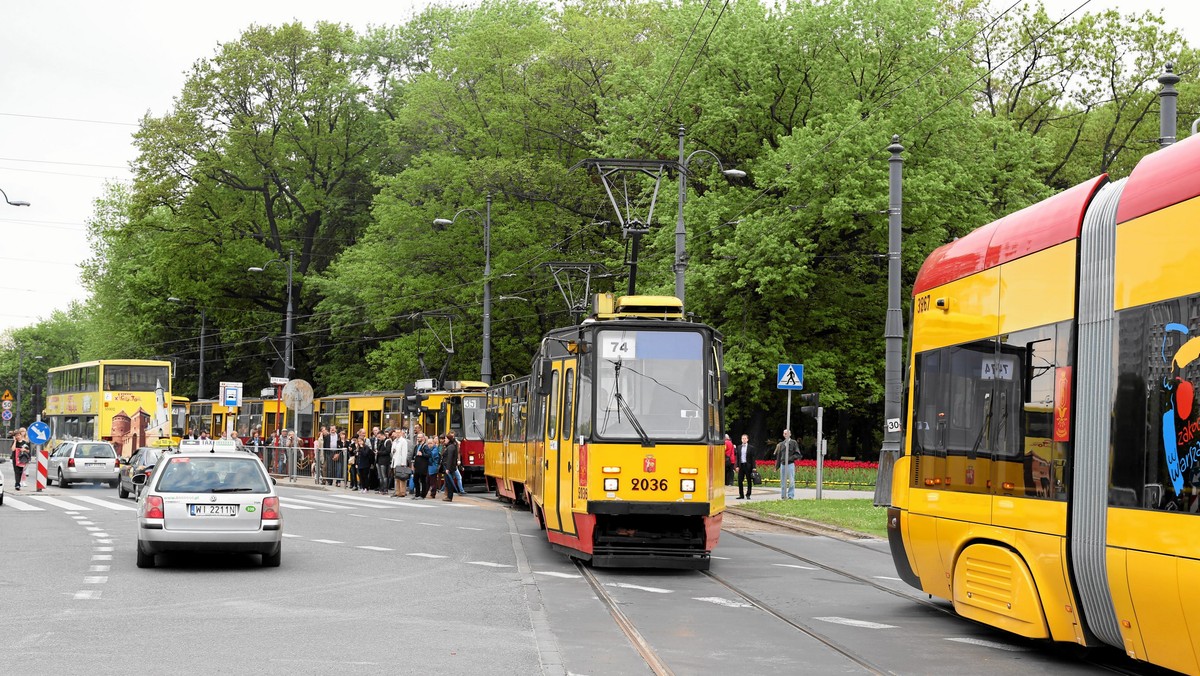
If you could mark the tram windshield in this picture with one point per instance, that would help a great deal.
(473, 417)
(650, 385)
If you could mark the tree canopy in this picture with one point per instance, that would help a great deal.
(341, 149)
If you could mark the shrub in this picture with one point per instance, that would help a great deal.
(845, 474)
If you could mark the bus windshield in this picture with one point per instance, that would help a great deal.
(650, 385)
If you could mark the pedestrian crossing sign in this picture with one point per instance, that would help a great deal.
(791, 377)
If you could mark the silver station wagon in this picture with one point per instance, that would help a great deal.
(76, 461)
(209, 499)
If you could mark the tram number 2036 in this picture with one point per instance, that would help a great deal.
(649, 484)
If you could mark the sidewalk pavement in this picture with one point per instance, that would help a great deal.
(765, 492)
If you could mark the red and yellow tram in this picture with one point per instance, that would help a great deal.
(614, 439)
(1078, 526)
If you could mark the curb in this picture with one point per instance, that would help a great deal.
(804, 525)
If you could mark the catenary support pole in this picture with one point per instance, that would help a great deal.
(893, 332)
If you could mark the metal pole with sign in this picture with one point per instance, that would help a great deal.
(790, 377)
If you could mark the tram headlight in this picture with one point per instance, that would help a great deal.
(610, 484)
(687, 485)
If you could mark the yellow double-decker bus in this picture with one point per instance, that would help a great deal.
(124, 401)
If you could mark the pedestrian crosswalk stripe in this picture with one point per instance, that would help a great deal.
(489, 564)
(330, 542)
(427, 556)
(312, 503)
(22, 506)
(287, 502)
(107, 504)
(376, 549)
(55, 502)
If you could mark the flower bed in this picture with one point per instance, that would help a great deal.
(843, 474)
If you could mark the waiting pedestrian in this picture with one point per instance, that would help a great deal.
(383, 462)
(21, 455)
(450, 466)
(364, 460)
(787, 452)
(329, 455)
(339, 459)
(746, 457)
(400, 460)
(435, 466)
(730, 462)
(420, 467)
(351, 452)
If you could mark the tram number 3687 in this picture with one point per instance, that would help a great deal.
(649, 484)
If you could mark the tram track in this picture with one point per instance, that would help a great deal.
(639, 642)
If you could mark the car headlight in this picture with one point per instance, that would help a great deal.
(687, 485)
(611, 484)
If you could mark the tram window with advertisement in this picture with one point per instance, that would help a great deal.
(650, 379)
(1156, 439)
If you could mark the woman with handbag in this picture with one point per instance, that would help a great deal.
(420, 467)
(400, 469)
(21, 455)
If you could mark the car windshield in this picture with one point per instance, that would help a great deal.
(94, 451)
(212, 475)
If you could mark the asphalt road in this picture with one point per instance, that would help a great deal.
(376, 583)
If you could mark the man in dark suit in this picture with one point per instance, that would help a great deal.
(745, 455)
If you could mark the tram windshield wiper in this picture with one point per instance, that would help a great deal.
(623, 406)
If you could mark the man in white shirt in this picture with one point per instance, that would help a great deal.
(400, 468)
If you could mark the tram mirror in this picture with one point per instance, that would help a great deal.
(577, 347)
(544, 378)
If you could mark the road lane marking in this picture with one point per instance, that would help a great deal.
(95, 579)
(427, 556)
(359, 516)
(792, 565)
(717, 600)
(396, 520)
(424, 523)
(61, 504)
(885, 577)
(94, 529)
(287, 502)
(489, 564)
(291, 535)
(467, 528)
(990, 644)
(86, 523)
(103, 557)
(719, 558)
(368, 502)
(99, 569)
(75, 517)
(862, 624)
(99, 535)
(103, 542)
(90, 594)
(330, 542)
(552, 573)
(625, 585)
(375, 549)
(103, 549)
(104, 503)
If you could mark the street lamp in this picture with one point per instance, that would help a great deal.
(200, 378)
(20, 387)
(680, 231)
(287, 338)
(485, 366)
(18, 203)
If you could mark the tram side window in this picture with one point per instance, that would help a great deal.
(1041, 439)
(551, 409)
(1156, 424)
(927, 400)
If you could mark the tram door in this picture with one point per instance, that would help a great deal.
(557, 468)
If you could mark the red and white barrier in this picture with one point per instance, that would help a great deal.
(43, 461)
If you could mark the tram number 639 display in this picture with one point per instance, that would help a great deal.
(649, 484)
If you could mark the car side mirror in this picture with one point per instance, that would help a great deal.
(138, 479)
(273, 481)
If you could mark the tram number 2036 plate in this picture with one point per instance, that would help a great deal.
(649, 484)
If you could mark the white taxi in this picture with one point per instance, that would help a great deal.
(209, 497)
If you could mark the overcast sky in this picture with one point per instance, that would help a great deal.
(77, 76)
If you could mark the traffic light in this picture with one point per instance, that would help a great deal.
(811, 402)
(412, 400)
